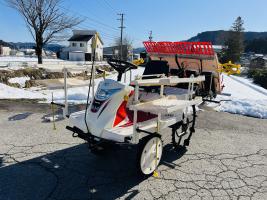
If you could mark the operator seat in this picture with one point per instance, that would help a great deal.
(155, 67)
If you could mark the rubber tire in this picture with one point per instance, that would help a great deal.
(181, 139)
(141, 146)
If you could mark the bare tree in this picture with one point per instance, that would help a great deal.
(44, 19)
(127, 44)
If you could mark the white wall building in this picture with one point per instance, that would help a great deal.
(4, 51)
(80, 46)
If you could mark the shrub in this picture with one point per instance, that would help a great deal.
(30, 83)
(16, 85)
(259, 76)
(33, 73)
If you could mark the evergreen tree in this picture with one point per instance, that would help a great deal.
(234, 42)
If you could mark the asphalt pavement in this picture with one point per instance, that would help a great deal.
(226, 159)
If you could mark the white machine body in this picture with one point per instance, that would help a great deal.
(114, 114)
(102, 111)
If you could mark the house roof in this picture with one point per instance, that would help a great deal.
(79, 38)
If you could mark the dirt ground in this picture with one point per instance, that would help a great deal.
(226, 159)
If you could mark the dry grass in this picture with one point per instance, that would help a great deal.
(41, 74)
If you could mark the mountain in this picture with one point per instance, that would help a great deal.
(6, 44)
(218, 37)
(30, 45)
(138, 50)
(258, 46)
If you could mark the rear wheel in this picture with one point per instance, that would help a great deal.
(183, 131)
(179, 133)
(149, 156)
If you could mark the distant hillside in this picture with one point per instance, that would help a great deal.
(218, 37)
(138, 50)
(30, 45)
(6, 44)
(258, 46)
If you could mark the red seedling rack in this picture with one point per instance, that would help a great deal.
(180, 48)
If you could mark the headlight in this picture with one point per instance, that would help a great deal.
(105, 94)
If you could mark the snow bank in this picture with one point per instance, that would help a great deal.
(24, 59)
(20, 80)
(7, 92)
(247, 107)
(246, 98)
(243, 88)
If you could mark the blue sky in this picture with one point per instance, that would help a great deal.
(171, 20)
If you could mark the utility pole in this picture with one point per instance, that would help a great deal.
(121, 27)
(150, 36)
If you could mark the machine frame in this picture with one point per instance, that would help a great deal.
(167, 110)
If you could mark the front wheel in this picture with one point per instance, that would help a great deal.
(149, 156)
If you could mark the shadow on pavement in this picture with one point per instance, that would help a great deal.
(75, 173)
(1, 161)
(48, 118)
(20, 116)
(171, 154)
(58, 113)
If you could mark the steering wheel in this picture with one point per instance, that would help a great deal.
(121, 66)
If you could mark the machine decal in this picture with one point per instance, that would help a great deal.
(96, 105)
(122, 111)
(121, 114)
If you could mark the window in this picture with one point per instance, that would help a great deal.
(74, 44)
(81, 44)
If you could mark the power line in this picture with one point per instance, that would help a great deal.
(107, 37)
(92, 11)
(108, 4)
(89, 18)
(100, 31)
(105, 6)
(101, 28)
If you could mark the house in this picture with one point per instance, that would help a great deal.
(4, 51)
(28, 52)
(80, 47)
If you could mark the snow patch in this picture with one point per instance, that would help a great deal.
(7, 92)
(246, 98)
(20, 80)
(247, 107)
(25, 59)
